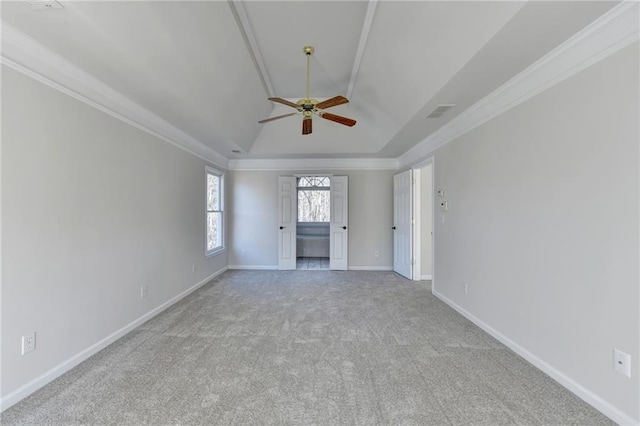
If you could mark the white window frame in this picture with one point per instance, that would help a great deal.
(220, 175)
(311, 188)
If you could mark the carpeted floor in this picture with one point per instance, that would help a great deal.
(306, 347)
(317, 263)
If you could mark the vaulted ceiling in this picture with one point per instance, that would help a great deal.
(208, 67)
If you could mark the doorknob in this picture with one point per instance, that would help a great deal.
(393, 227)
(344, 227)
(282, 227)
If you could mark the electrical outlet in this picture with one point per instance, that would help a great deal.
(377, 253)
(622, 362)
(29, 343)
(465, 288)
(143, 291)
(193, 269)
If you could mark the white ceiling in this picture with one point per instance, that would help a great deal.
(207, 67)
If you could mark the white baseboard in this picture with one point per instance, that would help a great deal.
(47, 377)
(371, 268)
(426, 277)
(255, 267)
(275, 268)
(585, 394)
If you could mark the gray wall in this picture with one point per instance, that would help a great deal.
(543, 227)
(92, 209)
(253, 213)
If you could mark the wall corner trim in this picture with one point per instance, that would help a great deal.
(608, 34)
(47, 377)
(583, 393)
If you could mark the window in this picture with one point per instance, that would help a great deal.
(214, 211)
(313, 199)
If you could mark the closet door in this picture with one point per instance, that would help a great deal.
(402, 233)
(339, 225)
(287, 220)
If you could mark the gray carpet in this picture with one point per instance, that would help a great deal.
(317, 263)
(306, 347)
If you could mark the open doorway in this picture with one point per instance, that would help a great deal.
(313, 228)
(313, 224)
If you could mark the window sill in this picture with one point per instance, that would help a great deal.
(216, 252)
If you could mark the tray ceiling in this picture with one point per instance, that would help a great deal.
(207, 68)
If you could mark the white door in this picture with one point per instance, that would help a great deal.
(287, 220)
(339, 226)
(402, 244)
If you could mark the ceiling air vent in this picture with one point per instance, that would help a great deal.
(44, 4)
(440, 109)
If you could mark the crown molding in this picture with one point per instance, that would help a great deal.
(34, 60)
(608, 34)
(315, 164)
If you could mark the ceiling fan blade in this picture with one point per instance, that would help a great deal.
(306, 126)
(335, 101)
(338, 119)
(266, 120)
(285, 102)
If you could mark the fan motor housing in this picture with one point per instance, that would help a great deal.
(308, 104)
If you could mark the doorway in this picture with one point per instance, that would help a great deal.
(313, 222)
(413, 222)
(312, 227)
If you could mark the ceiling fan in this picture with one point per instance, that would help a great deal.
(309, 107)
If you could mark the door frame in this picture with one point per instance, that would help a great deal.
(417, 241)
(416, 273)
